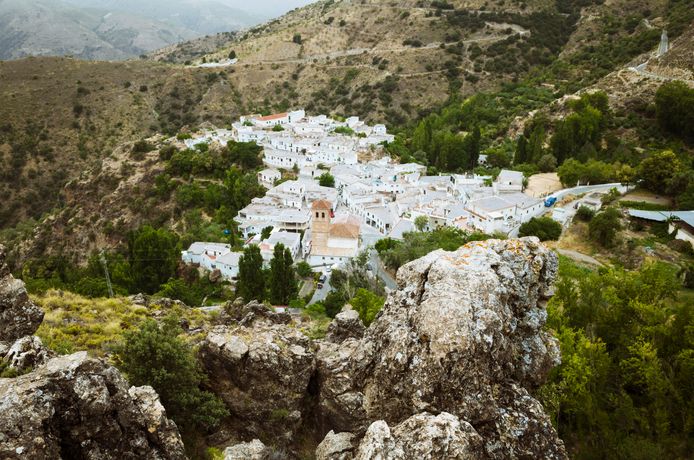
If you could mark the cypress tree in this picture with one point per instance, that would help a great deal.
(251, 282)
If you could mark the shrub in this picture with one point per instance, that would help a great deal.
(544, 228)
(604, 227)
(584, 214)
(154, 355)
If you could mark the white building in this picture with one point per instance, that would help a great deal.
(213, 256)
(509, 182)
(268, 177)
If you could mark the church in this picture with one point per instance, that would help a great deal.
(333, 239)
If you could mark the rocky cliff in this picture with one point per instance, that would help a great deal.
(444, 371)
(70, 406)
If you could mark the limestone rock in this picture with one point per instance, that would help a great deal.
(261, 370)
(336, 446)
(254, 450)
(78, 407)
(26, 353)
(424, 437)
(462, 334)
(346, 324)
(19, 316)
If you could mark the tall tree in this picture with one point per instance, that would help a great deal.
(251, 280)
(153, 255)
(283, 285)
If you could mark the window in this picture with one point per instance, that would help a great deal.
(323, 215)
(317, 214)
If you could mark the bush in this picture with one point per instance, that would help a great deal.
(303, 269)
(544, 228)
(326, 180)
(584, 214)
(604, 227)
(154, 355)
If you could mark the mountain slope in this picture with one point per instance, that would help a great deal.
(53, 27)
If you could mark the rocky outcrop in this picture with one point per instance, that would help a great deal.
(444, 371)
(71, 406)
(19, 316)
(79, 407)
(463, 335)
(261, 368)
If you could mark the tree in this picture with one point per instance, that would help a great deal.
(673, 103)
(584, 214)
(154, 355)
(421, 223)
(232, 54)
(297, 39)
(333, 303)
(658, 170)
(604, 226)
(251, 279)
(521, 155)
(266, 232)
(367, 304)
(326, 180)
(547, 163)
(283, 285)
(153, 255)
(303, 269)
(544, 228)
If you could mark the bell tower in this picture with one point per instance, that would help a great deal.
(321, 211)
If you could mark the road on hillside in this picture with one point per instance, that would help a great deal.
(378, 269)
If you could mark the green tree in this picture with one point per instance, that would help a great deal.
(326, 180)
(658, 170)
(367, 304)
(673, 102)
(421, 223)
(251, 279)
(283, 284)
(547, 163)
(266, 232)
(153, 255)
(603, 228)
(232, 54)
(333, 303)
(303, 269)
(154, 355)
(544, 228)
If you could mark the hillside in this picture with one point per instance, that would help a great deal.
(54, 27)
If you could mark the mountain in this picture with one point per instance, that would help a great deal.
(53, 27)
(114, 30)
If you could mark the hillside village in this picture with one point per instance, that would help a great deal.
(370, 197)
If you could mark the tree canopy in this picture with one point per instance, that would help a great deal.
(251, 279)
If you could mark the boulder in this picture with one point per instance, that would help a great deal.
(345, 325)
(462, 334)
(424, 437)
(79, 407)
(26, 353)
(336, 446)
(254, 450)
(261, 369)
(19, 316)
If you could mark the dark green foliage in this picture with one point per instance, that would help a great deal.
(367, 304)
(326, 180)
(154, 355)
(544, 228)
(153, 255)
(624, 387)
(658, 171)
(584, 214)
(603, 228)
(283, 284)
(251, 280)
(333, 303)
(303, 269)
(232, 54)
(266, 232)
(297, 39)
(417, 244)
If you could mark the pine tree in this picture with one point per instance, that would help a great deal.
(283, 285)
(521, 151)
(251, 282)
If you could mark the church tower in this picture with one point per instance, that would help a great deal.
(321, 211)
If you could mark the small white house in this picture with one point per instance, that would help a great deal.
(509, 181)
(268, 177)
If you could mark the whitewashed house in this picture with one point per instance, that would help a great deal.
(268, 177)
(509, 182)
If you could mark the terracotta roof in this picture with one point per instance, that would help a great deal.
(272, 117)
(347, 229)
(322, 204)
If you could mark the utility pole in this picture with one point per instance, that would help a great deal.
(102, 258)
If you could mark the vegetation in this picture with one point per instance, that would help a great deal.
(283, 284)
(251, 279)
(414, 245)
(326, 180)
(604, 227)
(367, 304)
(154, 355)
(623, 388)
(544, 228)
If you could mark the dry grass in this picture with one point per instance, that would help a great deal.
(75, 323)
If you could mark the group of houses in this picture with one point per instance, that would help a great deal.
(370, 199)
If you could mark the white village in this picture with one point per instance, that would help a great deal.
(371, 197)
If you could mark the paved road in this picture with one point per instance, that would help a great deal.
(322, 293)
(588, 188)
(380, 271)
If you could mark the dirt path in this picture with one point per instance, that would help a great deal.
(543, 184)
